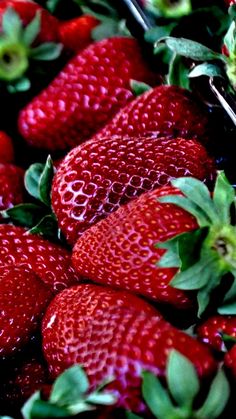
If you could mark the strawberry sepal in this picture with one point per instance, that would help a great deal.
(169, 8)
(204, 256)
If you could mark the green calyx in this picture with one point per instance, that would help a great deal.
(170, 8)
(177, 401)
(206, 255)
(16, 48)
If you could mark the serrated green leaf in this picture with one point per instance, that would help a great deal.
(139, 87)
(227, 309)
(45, 182)
(206, 69)
(43, 410)
(229, 39)
(46, 52)
(32, 176)
(223, 197)
(32, 30)
(156, 396)
(178, 74)
(26, 215)
(47, 227)
(12, 24)
(70, 387)
(182, 379)
(217, 398)
(157, 32)
(27, 408)
(190, 245)
(171, 258)
(190, 49)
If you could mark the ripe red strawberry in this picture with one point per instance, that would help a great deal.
(98, 177)
(112, 340)
(166, 111)
(6, 148)
(211, 331)
(51, 262)
(76, 34)
(120, 250)
(27, 10)
(230, 2)
(11, 186)
(230, 361)
(23, 300)
(85, 95)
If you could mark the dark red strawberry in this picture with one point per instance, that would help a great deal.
(76, 34)
(113, 340)
(12, 189)
(166, 111)
(212, 330)
(23, 300)
(85, 95)
(27, 10)
(6, 148)
(98, 177)
(120, 250)
(51, 262)
(230, 2)
(230, 361)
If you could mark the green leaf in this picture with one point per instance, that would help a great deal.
(178, 74)
(190, 245)
(229, 39)
(46, 52)
(26, 215)
(182, 379)
(32, 177)
(12, 24)
(139, 87)
(206, 69)
(156, 396)
(45, 182)
(103, 398)
(197, 192)
(190, 49)
(32, 30)
(217, 398)
(6, 417)
(157, 32)
(171, 258)
(69, 387)
(21, 85)
(169, 9)
(47, 227)
(27, 408)
(52, 5)
(43, 410)
(130, 415)
(228, 309)
(223, 197)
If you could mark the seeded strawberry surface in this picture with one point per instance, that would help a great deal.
(113, 340)
(98, 177)
(12, 189)
(85, 95)
(120, 250)
(211, 331)
(51, 262)
(166, 111)
(23, 299)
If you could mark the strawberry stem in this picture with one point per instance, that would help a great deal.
(13, 60)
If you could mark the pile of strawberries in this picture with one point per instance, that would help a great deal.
(117, 222)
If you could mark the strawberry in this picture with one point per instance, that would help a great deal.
(6, 148)
(51, 262)
(113, 340)
(11, 186)
(76, 34)
(100, 175)
(85, 95)
(166, 111)
(190, 238)
(23, 299)
(27, 10)
(212, 329)
(230, 2)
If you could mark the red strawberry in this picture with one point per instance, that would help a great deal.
(27, 10)
(230, 360)
(6, 148)
(166, 111)
(11, 186)
(211, 331)
(120, 250)
(99, 176)
(230, 2)
(23, 300)
(51, 262)
(75, 34)
(110, 339)
(85, 95)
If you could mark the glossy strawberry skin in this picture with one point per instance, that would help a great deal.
(210, 332)
(23, 300)
(76, 34)
(12, 189)
(51, 262)
(85, 95)
(111, 339)
(27, 10)
(166, 111)
(99, 176)
(6, 148)
(120, 250)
